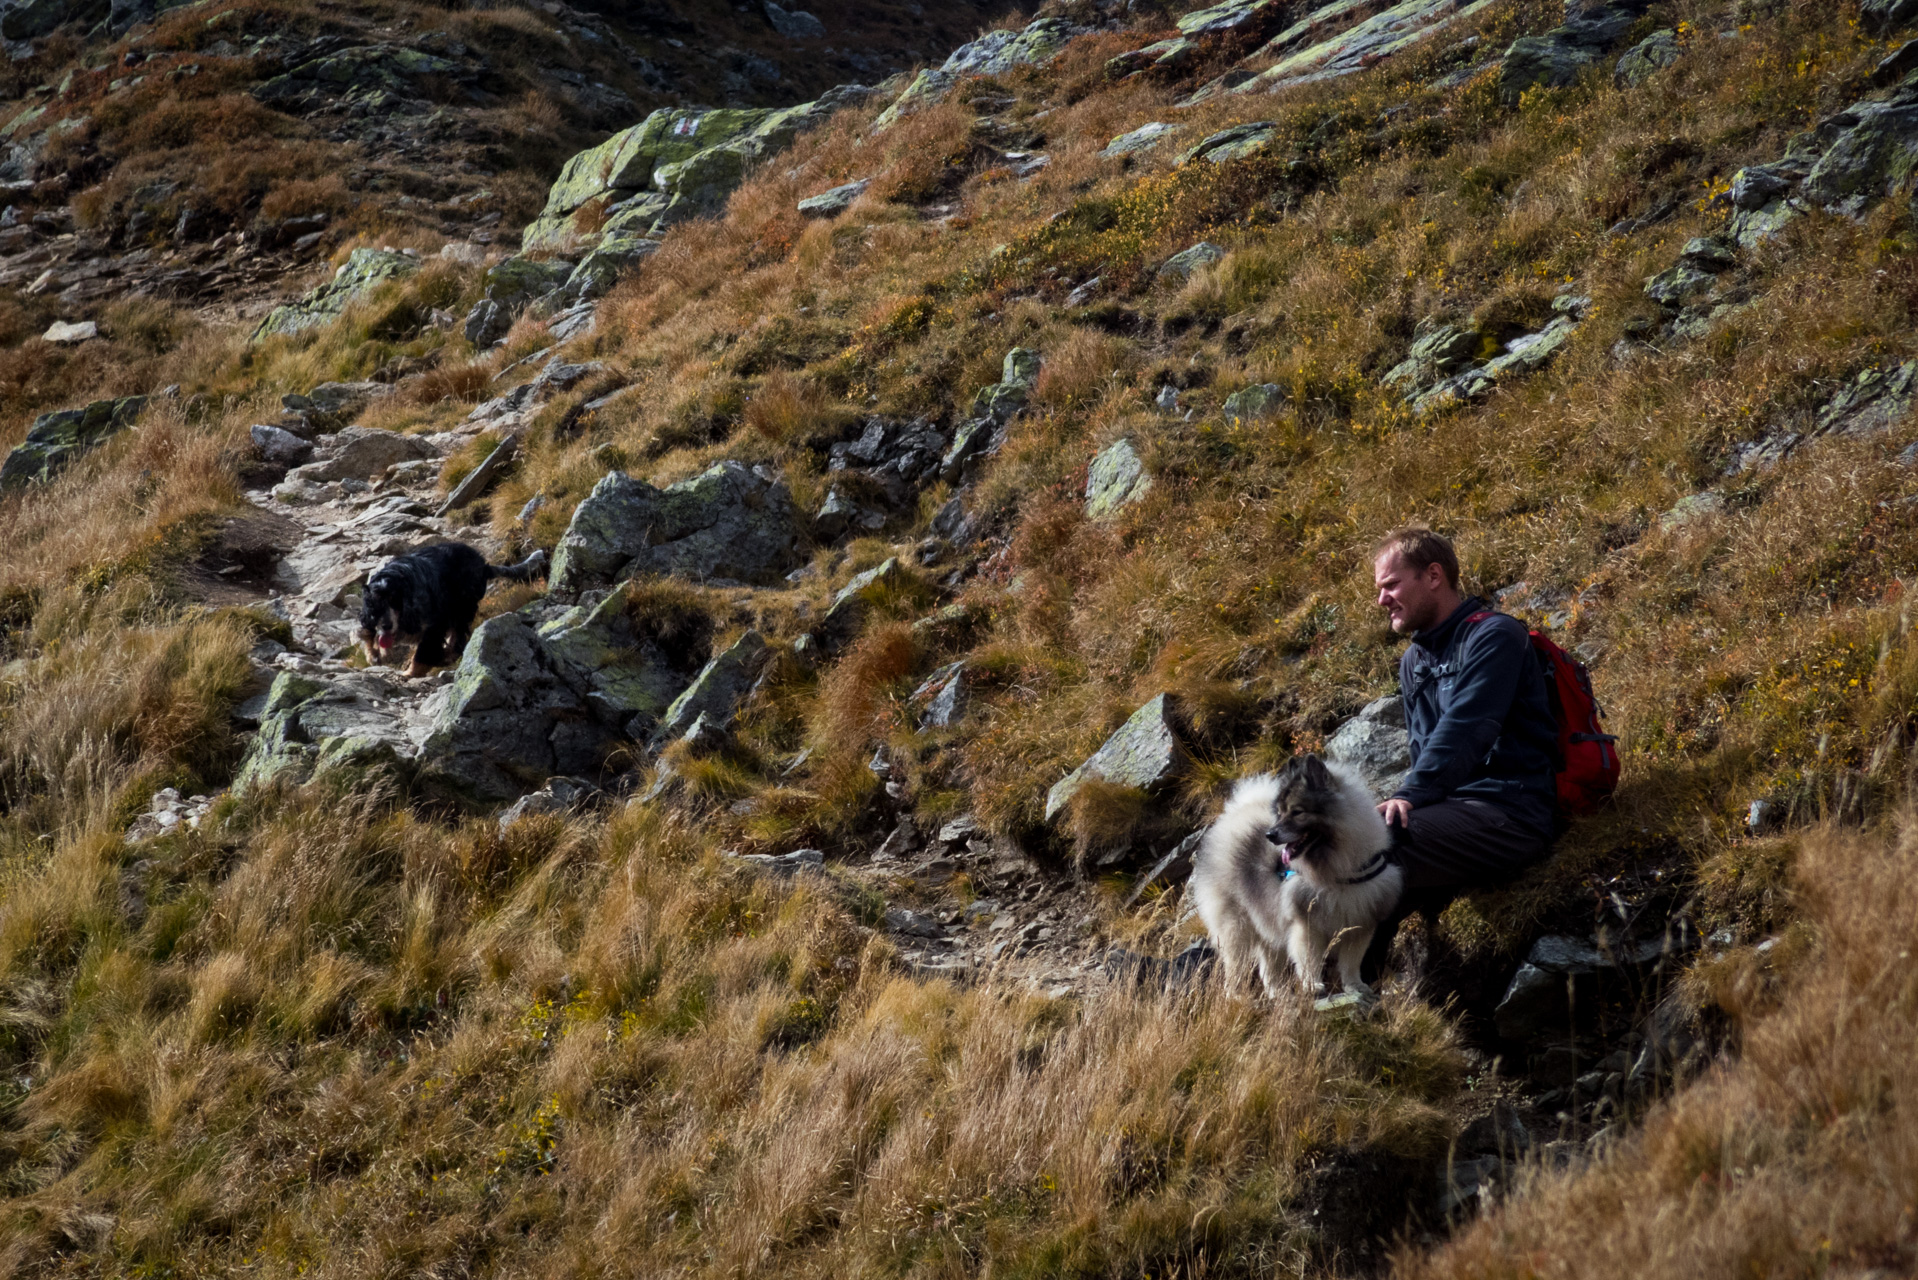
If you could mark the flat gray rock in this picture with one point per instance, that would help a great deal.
(1182, 264)
(1143, 138)
(830, 204)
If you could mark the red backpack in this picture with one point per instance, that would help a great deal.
(1587, 758)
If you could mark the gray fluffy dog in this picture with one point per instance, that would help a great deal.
(1319, 820)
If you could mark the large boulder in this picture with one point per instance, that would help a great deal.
(509, 720)
(725, 523)
(362, 272)
(56, 439)
(1144, 754)
(360, 72)
(1375, 743)
(619, 668)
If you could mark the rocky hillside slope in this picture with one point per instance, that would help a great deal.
(952, 480)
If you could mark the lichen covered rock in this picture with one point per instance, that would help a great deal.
(56, 439)
(362, 272)
(726, 523)
(718, 689)
(1115, 480)
(1145, 753)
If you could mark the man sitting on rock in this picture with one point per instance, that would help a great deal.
(1478, 804)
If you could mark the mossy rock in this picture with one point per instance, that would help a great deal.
(56, 439)
(362, 272)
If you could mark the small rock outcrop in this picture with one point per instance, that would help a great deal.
(1145, 754)
(728, 523)
(1115, 480)
(1234, 143)
(57, 439)
(1338, 39)
(992, 408)
(1561, 55)
(1843, 164)
(362, 272)
(994, 53)
(1646, 59)
(846, 616)
(718, 689)
(313, 724)
(678, 163)
(1448, 363)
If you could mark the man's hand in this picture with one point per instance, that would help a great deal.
(1397, 813)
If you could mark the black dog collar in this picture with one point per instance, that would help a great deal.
(1371, 870)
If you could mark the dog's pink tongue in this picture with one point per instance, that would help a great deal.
(1285, 855)
(385, 643)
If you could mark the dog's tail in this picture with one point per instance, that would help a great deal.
(525, 571)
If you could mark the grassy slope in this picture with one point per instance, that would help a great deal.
(348, 1039)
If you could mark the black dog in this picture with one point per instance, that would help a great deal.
(430, 597)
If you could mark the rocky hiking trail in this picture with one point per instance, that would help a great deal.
(1569, 1043)
(584, 698)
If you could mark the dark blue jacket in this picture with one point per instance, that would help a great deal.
(1476, 709)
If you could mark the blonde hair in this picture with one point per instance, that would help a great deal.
(1420, 548)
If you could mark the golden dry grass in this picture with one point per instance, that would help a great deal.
(335, 1036)
(1795, 1160)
